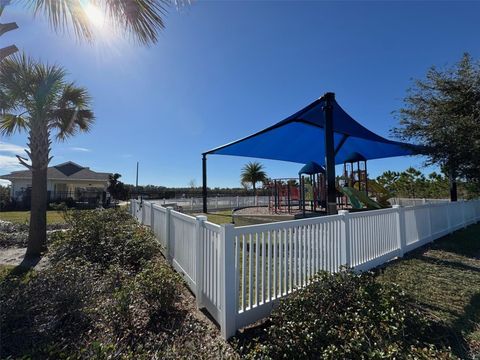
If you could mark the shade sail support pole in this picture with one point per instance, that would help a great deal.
(204, 182)
(330, 154)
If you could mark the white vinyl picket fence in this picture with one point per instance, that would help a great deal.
(215, 202)
(238, 274)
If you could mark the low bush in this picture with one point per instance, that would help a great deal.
(142, 303)
(47, 312)
(104, 237)
(106, 294)
(348, 316)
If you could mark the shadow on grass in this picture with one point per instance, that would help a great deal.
(465, 242)
(447, 263)
(469, 323)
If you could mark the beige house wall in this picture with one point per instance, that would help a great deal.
(20, 185)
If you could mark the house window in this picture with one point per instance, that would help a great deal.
(59, 188)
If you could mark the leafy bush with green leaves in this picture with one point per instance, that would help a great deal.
(142, 303)
(105, 237)
(348, 316)
(47, 311)
(106, 294)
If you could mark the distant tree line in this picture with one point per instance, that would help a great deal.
(120, 191)
(412, 183)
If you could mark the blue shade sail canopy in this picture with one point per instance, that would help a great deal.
(312, 168)
(300, 138)
(354, 157)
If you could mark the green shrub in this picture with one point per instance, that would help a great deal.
(47, 311)
(142, 303)
(105, 237)
(348, 316)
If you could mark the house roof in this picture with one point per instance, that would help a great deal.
(65, 171)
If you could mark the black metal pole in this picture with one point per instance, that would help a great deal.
(276, 195)
(330, 154)
(303, 196)
(453, 185)
(204, 182)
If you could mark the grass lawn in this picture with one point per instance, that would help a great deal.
(23, 217)
(225, 217)
(445, 280)
(4, 271)
(220, 217)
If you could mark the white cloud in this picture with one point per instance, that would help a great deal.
(11, 148)
(80, 149)
(10, 163)
(5, 182)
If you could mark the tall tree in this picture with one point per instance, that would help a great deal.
(252, 173)
(37, 99)
(442, 112)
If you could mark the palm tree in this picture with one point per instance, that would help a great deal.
(253, 173)
(142, 19)
(37, 99)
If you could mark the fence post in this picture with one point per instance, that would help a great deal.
(191, 203)
(401, 235)
(199, 264)
(464, 216)
(143, 212)
(216, 202)
(238, 201)
(228, 289)
(345, 244)
(168, 219)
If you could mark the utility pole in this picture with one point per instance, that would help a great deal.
(330, 154)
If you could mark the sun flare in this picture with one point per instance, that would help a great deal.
(94, 14)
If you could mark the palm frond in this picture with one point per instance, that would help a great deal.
(10, 124)
(72, 113)
(71, 121)
(63, 14)
(48, 82)
(141, 18)
(74, 96)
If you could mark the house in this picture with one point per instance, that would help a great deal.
(64, 181)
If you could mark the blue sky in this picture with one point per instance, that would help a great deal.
(223, 70)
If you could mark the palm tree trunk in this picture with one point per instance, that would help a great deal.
(39, 144)
(37, 236)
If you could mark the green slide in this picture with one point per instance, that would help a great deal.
(362, 197)
(347, 191)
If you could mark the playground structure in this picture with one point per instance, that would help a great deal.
(325, 133)
(307, 195)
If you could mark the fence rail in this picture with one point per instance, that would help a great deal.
(215, 203)
(238, 274)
